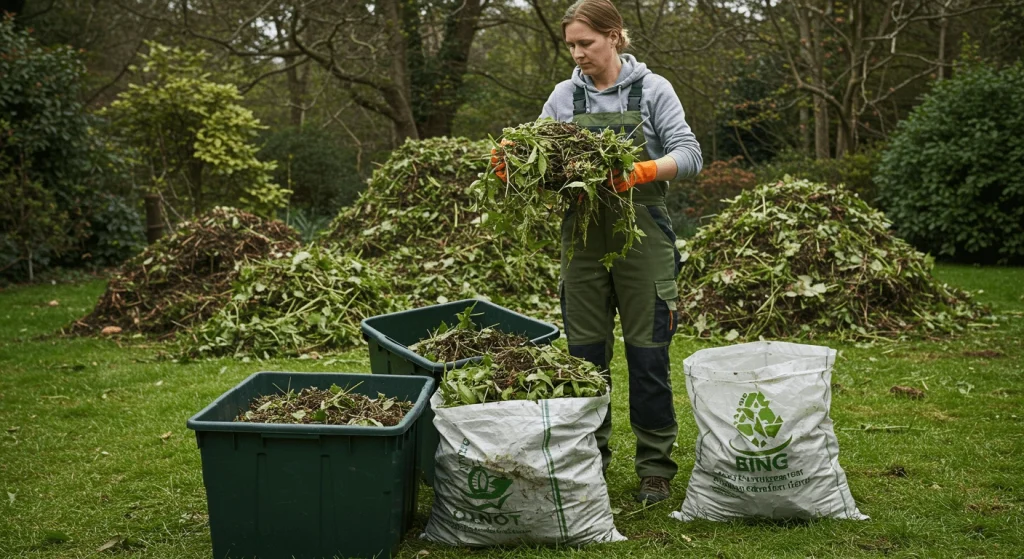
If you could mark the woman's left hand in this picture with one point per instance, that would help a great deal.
(642, 173)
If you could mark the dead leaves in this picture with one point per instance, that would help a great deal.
(907, 392)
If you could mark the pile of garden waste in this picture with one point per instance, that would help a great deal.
(185, 278)
(419, 218)
(302, 306)
(800, 259)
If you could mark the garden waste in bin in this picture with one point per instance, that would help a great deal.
(390, 335)
(313, 490)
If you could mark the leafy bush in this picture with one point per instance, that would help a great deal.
(703, 195)
(853, 170)
(308, 223)
(952, 180)
(315, 166)
(116, 231)
(192, 137)
(44, 150)
(31, 224)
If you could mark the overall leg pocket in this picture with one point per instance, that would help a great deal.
(666, 316)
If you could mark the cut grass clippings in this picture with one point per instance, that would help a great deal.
(87, 464)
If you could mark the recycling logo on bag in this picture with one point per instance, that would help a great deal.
(758, 425)
(486, 487)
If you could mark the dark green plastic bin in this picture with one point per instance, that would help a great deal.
(305, 491)
(390, 335)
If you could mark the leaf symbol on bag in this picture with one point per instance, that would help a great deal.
(756, 420)
(484, 486)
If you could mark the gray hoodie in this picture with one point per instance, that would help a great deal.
(664, 121)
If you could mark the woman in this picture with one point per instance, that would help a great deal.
(611, 89)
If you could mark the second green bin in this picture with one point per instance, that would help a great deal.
(390, 335)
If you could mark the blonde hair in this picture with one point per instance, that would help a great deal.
(601, 15)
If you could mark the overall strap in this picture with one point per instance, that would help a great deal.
(579, 101)
(636, 93)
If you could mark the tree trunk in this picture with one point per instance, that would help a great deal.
(812, 52)
(822, 149)
(296, 94)
(398, 92)
(841, 137)
(943, 25)
(195, 179)
(154, 219)
(437, 83)
(805, 130)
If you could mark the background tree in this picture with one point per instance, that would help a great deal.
(402, 59)
(192, 137)
(854, 56)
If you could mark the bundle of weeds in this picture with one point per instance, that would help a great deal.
(333, 406)
(555, 167)
(800, 259)
(465, 339)
(522, 373)
(306, 305)
(183, 279)
(417, 217)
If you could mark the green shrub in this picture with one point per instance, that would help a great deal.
(315, 165)
(854, 170)
(192, 137)
(44, 151)
(116, 231)
(952, 179)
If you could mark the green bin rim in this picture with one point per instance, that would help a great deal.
(436, 367)
(196, 423)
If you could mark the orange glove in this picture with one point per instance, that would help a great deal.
(643, 173)
(498, 164)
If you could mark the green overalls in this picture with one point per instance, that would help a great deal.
(641, 288)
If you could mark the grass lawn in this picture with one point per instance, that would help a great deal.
(94, 451)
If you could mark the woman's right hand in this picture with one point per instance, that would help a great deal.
(498, 163)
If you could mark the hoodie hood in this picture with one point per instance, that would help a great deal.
(631, 71)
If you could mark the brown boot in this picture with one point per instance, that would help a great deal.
(653, 489)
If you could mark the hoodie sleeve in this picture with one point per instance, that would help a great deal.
(669, 125)
(559, 103)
